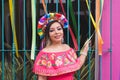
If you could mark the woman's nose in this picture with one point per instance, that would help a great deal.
(56, 31)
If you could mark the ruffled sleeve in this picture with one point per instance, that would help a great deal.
(56, 63)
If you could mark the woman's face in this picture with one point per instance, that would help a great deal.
(56, 32)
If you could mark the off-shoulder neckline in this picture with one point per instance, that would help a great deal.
(58, 51)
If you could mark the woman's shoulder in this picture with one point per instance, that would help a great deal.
(66, 46)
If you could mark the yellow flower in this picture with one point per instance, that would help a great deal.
(67, 61)
(49, 64)
(74, 55)
(43, 62)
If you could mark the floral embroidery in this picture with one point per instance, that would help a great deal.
(71, 58)
(43, 62)
(49, 64)
(58, 61)
(44, 56)
(52, 56)
(38, 62)
(50, 60)
(72, 53)
(66, 61)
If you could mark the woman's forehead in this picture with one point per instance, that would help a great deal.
(55, 25)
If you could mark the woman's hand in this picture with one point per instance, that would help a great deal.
(85, 48)
(42, 77)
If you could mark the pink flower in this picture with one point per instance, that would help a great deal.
(52, 56)
(58, 62)
(71, 57)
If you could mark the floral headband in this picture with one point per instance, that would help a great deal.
(44, 20)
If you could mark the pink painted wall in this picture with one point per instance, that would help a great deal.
(115, 40)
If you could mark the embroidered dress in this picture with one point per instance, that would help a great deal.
(57, 65)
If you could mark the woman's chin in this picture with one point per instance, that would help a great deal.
(57, 40)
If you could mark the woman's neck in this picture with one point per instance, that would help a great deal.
(56, 44)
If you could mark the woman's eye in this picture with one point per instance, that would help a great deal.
(59, 28)
(51, 30)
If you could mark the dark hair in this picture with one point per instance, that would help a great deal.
(46, 33)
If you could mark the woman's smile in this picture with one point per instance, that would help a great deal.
(57, 36)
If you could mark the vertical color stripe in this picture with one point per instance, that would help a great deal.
(33, 4)
(24, 47)
(2, 40)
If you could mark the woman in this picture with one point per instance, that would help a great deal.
(57, 61)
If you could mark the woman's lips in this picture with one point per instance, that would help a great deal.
(58, 36)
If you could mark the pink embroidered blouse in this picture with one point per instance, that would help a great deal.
(55, 65)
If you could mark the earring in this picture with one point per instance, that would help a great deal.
(62, 40)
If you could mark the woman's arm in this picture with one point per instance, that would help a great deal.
(83, 54)
(42, 77)
(82, 60)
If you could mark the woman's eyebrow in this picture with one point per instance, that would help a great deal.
(58, 26)
(52, 28)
